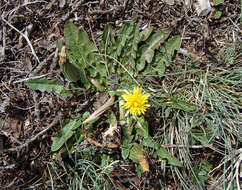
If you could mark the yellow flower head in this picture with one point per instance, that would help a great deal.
(136, 102)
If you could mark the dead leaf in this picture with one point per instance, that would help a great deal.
(93, 116)
(111, 131)
(11, 127)
(4, 105)
(50, 5)
(46, 44)
(138, 154)
(96, 84)
(114, 81)
(2, 53)
(170, 2)
(63, 55)
(16, 127)
(188, 3)
(20, 42)
(202, 7)
(28, 63)
(62, 3)
(144, 163)
(101, 98)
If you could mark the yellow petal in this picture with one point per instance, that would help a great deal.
(136, 102)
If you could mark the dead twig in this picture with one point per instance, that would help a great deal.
(25, 37)
(27, 142)
(33, 77)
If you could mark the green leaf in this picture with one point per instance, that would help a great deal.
(106, 163)
(183, 105)
(84, 79)
(203, 136)
(217, 2)
(169, 50)
(129, 62)
(163, 153)
(59, 46)
(147, 51)
(127, 136)
(78, 43)
(149, 142)
(112, 118)
(71, 72)
(125, 150)
(173, 44)
(124, 35)
(217, 14)
(139, 171)
(142, 127)
(45, 85)
(66, 132)
(206, 166)
(80, 51)
(161, 67)
(134, 41)
(64, 93)
(159, 64)
(141, 64)
(107, 39)
(145, 34)
(135, 152)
